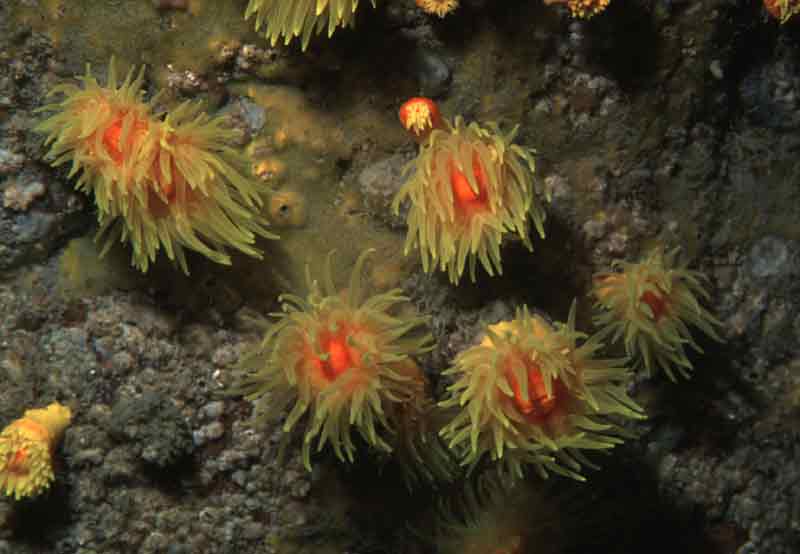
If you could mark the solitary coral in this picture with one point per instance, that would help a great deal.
(530, 394)
(650, 304)
(26, 450)
(339, 358)
(301, 18)
(582, 8)
(470, 187)
(438, 7)
(170, 181)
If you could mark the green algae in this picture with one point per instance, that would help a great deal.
(136, 32)
(83, 273)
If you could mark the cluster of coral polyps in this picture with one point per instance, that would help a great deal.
(26, 450)
(341, 363)
(534, 393)
(649, 305)
(166, 181)
(782, 10)
(470, 185)
(285, 20)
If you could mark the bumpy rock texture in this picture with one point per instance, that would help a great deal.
(654, 121)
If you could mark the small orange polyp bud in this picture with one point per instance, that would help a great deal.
(420, 116)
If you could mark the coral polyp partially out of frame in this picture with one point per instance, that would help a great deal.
(287, 19)
(339, 362)
(583, 9)
(438, 7)
(470, 186)
(782, 10)
(532, 393)
(166, 181)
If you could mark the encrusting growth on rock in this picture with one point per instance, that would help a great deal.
(650, 305)
(533, 393)
(166, 181)
(26, 450)
(339, 361)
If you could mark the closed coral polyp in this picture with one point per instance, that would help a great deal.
(419, 117)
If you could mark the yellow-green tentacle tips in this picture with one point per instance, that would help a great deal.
(339, 362)
(532, 393)
(26, 450)
(168, 181)
(288, 19)
(650, 305)
(487, 517)
(469, 187)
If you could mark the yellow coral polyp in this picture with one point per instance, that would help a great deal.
(168, 181)
(26, 450)
(338, 360)
(583, 9)
(650, 305)
(437, 7)
(288, 19)
(469, 187)
(530, 394)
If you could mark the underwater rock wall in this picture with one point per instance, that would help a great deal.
(653, 123)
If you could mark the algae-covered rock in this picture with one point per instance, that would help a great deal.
(154, 426)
